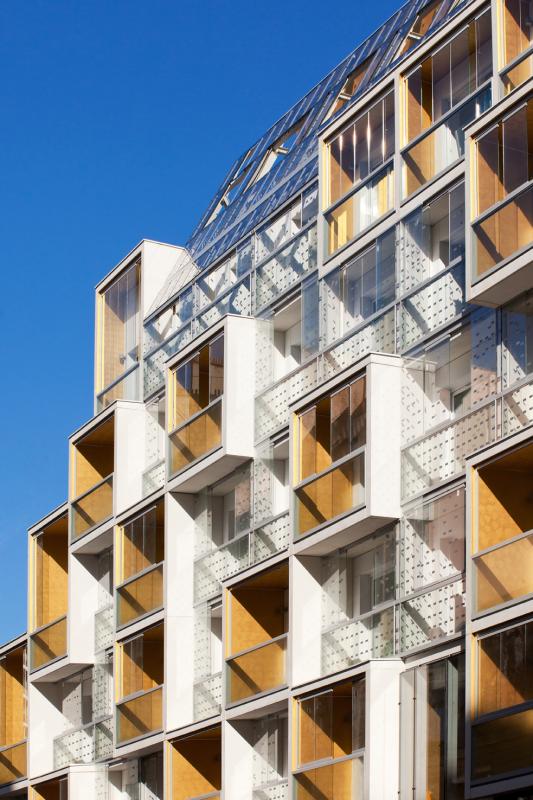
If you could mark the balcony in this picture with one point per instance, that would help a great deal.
(195, 771)
(48, 592)
(140, 596)
(257, 616)
(13, 763)
(343, 451)
(211, 406)
(139, 710)
(92, 468)
(501, 227)
(257, 670)
(437, 150)
(366, 206)
(48, 643)
(340, 779)
(140, 715)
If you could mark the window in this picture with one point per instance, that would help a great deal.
(448, 76)
(330, 744)
(517, 28)
(199, 381)
(504, 157)
(504, 691)
(421, 25)
(432, 724)
(329, 432)
(362, 287)
(517, 339)
(361, 148)
(279, 149)
(119, 328)
(349, 87)
(332, 428)
(432, 238)
(433, 541)
(503, 561)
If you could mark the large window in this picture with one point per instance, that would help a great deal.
(432, 731)
(361, 148)
(504, 157)
(195, 412)
(119, 333)
(448, 76)
(432, 238)
(140, 574)
(504, 196)
(501, 731)
(517, 28)
(359, 168)
(330, 743)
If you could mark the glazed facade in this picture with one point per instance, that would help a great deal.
(294, 560)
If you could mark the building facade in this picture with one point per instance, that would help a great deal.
(294, 559)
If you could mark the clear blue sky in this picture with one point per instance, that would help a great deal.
(119, 121)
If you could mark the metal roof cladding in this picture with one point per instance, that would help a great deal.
(212, 238)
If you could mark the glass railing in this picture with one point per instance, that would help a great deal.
(328, 496)
(502, 745)
(434, 615)
(207, 696)
(275, 790)
(270, 538)
(440, 147)
(350, 643)
(196, 438)
(504, 573)
(218, 565)
(128, 387)
(154, 478)
(13, 763)
(140, 715)
(92, 508)
(518, 73)
(366, 205)
(257, 670)
(104, 628)
(279, 273)
(140, 595)
(221, 563)
(343, 778)
(272, 404)
(503, 233)
(48, 643)
(84, 745)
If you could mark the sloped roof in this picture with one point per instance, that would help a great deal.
(211, 241)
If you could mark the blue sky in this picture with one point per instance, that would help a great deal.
(119, 121)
